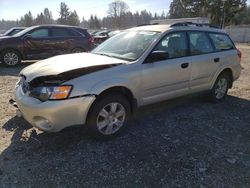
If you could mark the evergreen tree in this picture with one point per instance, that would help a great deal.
(48, 19)
(73, 19)
(64, 14)
(212, 9)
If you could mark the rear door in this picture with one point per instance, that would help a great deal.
(65, 40)
(37, 46)
(167, 78)
(205, 62)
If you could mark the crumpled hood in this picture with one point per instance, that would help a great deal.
(64, 63)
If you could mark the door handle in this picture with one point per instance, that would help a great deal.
(216, 60)
(184, 65)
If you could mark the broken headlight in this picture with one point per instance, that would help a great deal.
(51, 92)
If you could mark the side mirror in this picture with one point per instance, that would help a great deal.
(27, 36)
(157, 56)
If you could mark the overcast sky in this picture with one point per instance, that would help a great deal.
(14, 9)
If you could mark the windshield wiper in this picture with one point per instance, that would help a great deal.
(104, 54)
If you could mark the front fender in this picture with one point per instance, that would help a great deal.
(114, 82)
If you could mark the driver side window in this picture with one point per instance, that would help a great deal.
(174, 44)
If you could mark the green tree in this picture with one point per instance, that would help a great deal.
(48, 19)
(73, 19)
(97, 23)
(64, 14)
(212, 9)
(178, 9)
(231, 8)
(40, 19)
(242, 17)
(117, 9)
(27, 20)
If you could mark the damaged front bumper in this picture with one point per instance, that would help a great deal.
(53, 116)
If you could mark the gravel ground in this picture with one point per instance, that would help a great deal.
(186, 142)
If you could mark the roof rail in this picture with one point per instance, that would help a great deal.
(193, 24)
(147, 24)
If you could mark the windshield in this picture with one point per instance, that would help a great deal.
(127, 45)
(23, 32)
(7, 32)
(15, 31)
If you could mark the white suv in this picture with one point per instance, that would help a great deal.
(136, 67)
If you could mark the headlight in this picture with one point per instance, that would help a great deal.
(19, 82)
(51, 92)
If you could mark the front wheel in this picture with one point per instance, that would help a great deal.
(220, 88)
(108, 116)
(10, 58)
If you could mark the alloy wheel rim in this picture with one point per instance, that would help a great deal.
(10, 58)
(111, 118)
(221, 88)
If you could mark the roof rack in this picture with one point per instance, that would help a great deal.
(147, 24)
(193, 24)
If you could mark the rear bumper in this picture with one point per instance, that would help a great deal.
(53, 116)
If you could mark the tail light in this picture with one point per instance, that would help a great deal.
(239, 54)
(90, 40)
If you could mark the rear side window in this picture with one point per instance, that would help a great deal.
(221, 42)
(60, 32)
(199, 43)
(174, 44)
(83, 31)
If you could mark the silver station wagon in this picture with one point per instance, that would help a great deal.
(137, 67)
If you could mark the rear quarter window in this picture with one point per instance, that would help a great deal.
(74, 33)
(83, 32)
(221, 41)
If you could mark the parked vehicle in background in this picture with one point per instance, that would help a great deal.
(43, 41)
(100, 37)
(113, 33)
(136, 67)
(12, 31)
(93, 33)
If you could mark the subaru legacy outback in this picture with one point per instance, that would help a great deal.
(136, 67)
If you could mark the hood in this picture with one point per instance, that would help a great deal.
(66, 63)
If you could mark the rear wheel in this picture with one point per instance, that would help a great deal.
(10, 58)
(108, 116)
(220, 88)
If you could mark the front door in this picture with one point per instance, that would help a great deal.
(167, 78)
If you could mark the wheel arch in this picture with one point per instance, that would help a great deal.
(78, 47)
(14, 49)
(228, 71)
(122, 90)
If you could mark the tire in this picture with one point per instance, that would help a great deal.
(103, 123)
(220, 88)
(78, 50)
(10, 58)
